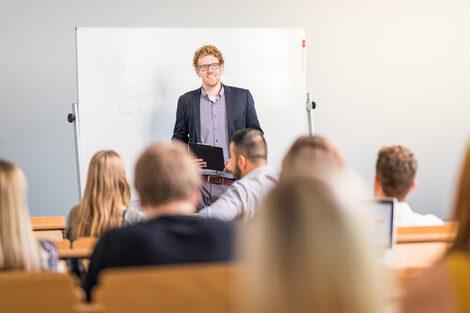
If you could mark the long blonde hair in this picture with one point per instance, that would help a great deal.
(19, 249)
(107, 193)
(303, 254)
(461, 210)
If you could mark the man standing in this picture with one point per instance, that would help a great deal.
(211, 115)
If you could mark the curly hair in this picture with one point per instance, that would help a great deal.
(395, 170)
(207, 50)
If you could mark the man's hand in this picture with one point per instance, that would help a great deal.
(200, 162)
(227, 168)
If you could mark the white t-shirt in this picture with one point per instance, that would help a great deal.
(405, 217)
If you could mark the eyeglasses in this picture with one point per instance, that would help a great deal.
(205, 67)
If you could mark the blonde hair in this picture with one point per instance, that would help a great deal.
(107, 194)
(166, 172)
(461, 210)
(304, 254)
(207, 50)
(310, 153)
(19, 249)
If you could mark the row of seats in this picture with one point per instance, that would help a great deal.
(202, 288)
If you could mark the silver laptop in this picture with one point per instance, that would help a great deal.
(385, 227)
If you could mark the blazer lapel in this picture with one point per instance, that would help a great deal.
(196, 103)
(229, 108)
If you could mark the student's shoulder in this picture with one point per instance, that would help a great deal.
(132, 216)
(215, 224)
(125, 235)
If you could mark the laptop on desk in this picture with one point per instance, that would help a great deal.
(385, 227)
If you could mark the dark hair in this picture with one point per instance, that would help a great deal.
(250, 142)
(395, 170)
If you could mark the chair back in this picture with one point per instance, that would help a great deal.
(170, 289)
(22, 292)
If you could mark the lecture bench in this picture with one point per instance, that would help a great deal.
(48, 227)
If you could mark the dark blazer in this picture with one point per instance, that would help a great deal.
(163, 240)
(241, 113)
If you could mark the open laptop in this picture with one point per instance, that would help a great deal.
(385, 227)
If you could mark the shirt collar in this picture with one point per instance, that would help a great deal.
(205, 95)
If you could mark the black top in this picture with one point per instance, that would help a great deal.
(163, 240)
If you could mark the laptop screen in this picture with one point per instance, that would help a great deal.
(384, 222)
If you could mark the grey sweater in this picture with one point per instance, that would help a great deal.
(129, 216)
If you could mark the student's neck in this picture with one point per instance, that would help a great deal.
(212, 91)
(253, 166)
(183, 207)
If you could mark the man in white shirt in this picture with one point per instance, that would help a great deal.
(248, 162)
(395, 177)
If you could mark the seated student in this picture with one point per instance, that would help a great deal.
(105, 200)
(395, 177)
(19, 249)
(248, 162)
(445, 287)
(303, 253)
(167, 181)
(311, 152)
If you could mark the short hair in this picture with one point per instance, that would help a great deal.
(395, 170)
(314, 151)
(250, 143)
(207, 50)
(166, 172)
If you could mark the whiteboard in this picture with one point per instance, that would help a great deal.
(130, 79)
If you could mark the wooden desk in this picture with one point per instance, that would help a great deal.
(48, 227)
(75, 253)
(48, 223)
(445, 233)
(417, 255)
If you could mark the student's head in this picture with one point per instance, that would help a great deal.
(304, 253)
(106, 195)
(166, 174)
(309, 153)
(209, 65)
(395, 172)
(18, 248)
(248, 151)
(461, 209)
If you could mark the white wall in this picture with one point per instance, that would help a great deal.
(380, 71)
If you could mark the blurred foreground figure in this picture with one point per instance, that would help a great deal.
(306, 252)
(19, 249)
(446, 287)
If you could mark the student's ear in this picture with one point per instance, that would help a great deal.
(141, 203)
(241, 160)
(413, 186)
(377, 188)
(196, 198)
